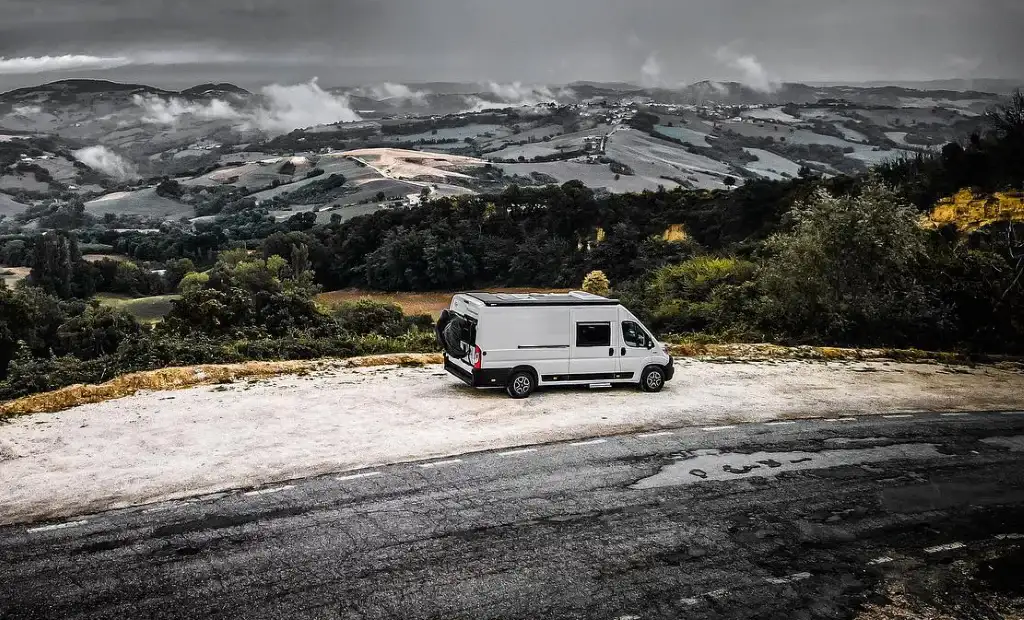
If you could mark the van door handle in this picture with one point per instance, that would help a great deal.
(623, 351)
(611, 352)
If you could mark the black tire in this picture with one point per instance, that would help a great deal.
(652, 379)
(521, 384)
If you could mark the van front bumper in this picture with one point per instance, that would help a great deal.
(478, 377)
(670, 369)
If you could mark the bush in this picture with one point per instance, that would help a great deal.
(193, 282)
(30, 375)
(596, 283)
(700, 294)
(368, 316)
(849, 273)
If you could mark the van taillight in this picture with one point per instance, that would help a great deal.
(476, 357)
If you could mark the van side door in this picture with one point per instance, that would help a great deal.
(594, 343)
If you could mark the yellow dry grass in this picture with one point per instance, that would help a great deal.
(413, 303)
(191, 376)
(971, 213)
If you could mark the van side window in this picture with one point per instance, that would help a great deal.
(633, 335)
(593, 334)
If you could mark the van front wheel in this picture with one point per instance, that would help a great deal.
(520, 384)
(652, 379)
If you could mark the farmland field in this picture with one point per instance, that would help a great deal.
(143, 202)
(413, 303)
(9, 206)
(145, 309)
(11, 275)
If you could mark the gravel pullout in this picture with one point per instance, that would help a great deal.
(163, 445)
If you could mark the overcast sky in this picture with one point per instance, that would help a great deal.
(253, 42)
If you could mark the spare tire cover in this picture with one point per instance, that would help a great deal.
(453, 335)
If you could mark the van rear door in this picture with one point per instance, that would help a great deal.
(594, 341)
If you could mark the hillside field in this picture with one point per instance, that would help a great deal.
(145, 309)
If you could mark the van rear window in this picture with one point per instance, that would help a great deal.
(593, 334)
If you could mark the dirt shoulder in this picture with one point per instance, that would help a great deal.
(161, 445)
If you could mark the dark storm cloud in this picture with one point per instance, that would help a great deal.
(530, 40)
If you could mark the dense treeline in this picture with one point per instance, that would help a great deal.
(244, 308)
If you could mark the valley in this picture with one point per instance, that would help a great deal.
(137, 157)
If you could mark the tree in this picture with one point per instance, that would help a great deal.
(54, 258)
(729, 181)
(848, 272)
(193, 282)
(176, 270)
(300, 260)
(1008, 119)
(169, 188)
(596, 283)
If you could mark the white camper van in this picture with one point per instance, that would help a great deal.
(519, 342)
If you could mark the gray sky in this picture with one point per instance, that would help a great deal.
(553, 41)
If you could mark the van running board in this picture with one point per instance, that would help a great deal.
(595, 386)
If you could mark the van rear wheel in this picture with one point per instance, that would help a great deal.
(652, 379)
(520, 384)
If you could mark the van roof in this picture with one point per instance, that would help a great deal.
(575, 298)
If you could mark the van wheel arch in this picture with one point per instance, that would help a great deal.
(513, 388)
(651, 383)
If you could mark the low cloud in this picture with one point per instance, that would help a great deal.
(106, 161)
(389, 91)
(159, 111)
(651, 73)
(301, 105)
(752, 72)
(68, 62)
(282, 109)
(26, 110)
(87, 62)
(516, 94)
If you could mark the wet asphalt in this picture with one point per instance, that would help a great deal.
(798, 519)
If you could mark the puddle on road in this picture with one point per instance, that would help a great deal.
(1013, 444)
(705, 465)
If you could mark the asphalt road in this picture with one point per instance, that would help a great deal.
(810, 519)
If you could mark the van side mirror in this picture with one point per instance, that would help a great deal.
(650, 344)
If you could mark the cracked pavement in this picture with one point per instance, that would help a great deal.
(833, 518)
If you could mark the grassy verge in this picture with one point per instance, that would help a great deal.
(180, 377)
(191, 376)
(763, 352)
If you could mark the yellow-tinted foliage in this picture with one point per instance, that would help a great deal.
(971, 213)
(596, 283)
(600, 235)
(675, 233)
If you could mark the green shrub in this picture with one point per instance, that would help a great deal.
(368, 316)
(699, 294)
